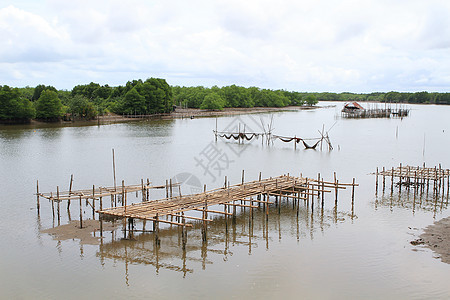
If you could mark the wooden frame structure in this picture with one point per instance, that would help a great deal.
(248, 195)
(417, 177)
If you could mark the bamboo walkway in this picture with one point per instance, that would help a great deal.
(247, 195)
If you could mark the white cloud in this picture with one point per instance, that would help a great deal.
(320, 45)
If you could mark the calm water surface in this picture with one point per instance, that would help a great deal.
(317, 254)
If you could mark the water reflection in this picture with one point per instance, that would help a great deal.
(411, 200)
(249, 230)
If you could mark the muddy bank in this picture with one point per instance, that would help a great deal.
(85, 235)
(437, 238)
(179, 113)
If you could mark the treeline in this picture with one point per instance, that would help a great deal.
(155, 95)
(46, 103)
(390, 97)
(237, 96)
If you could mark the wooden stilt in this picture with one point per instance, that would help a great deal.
(81, 214)
(376, 183)
(93, 202)
(124, 196)
(38, 205)
(58, 204)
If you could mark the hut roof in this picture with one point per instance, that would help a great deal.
(353, 105)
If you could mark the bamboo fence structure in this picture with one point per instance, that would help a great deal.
(419, 178)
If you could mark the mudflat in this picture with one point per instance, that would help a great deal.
(437, 238)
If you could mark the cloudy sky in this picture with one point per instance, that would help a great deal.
(301, 45)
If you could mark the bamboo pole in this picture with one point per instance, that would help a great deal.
(93, 202)
(124, 197)
(376, 183)
(81, 214)
(38, 205)
(70, 190)
(114, 169)
(58, 203)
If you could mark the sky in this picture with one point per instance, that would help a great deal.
(359, 46)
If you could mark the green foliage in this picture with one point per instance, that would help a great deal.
(133, 102)
(236, 96)
(13, 106)
(311, 100)
(49, 106)
(213, 101)
(80, 106)
(39, 89)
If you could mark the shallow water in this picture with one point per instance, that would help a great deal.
(319, 254)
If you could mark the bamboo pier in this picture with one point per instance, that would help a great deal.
(419, 178)
(116, 194)
(246, 195)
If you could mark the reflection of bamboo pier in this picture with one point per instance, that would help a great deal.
(250, 230)
(418, 178)
(247, 195)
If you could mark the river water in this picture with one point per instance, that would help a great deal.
(319, 254)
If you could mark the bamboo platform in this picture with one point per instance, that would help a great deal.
(417, 177)
(246, 195)
(376, 113)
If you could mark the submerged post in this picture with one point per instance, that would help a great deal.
(376, 183)
(38, 206)
(353, 191)
(57, 197)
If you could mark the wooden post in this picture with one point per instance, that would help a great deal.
(318, 187)
(353, 191)
(170, 188)
(392, 180)
(53, 206)
(156, 224)
(70, 185)
(57, 197)
(70, 191)
(81, 214)
(38, 205)
(323, 194)
(114, 170)
(242, 177)
(124, 197)
(167, 189)
(142, 190)
(384, 177)
(400, 182)
(336, 191)
(205, 216)
(148, 190)
(215, 133)
(376, 183)
(93, 202)
(259, 176)
(415, 183)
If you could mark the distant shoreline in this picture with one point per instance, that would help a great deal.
(179, 113)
